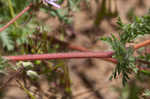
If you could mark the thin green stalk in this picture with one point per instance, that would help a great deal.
(101, 12)
(67, 81)
(12, 12)
(26, 90)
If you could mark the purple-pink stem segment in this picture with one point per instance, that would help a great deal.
(15, 18)
(60, 56)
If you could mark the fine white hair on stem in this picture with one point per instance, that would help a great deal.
(52, 2)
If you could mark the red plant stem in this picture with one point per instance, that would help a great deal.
(143, 68)
(15, 18)
(105, 55)
(145, 43)
(143, 61)
(59, 56)
(66, 44)
(79, 48)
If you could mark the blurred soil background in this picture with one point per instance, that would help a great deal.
(90, 77)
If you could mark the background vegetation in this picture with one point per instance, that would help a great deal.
(29, 29)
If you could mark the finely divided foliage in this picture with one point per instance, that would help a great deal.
(139, 26)
(126, 62)
(127, 34)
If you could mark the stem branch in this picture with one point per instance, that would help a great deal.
(60, 56)
(15, 18)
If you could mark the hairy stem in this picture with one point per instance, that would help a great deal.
(145, 43)
(15, 18)
(60, 56)
(106, 55)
